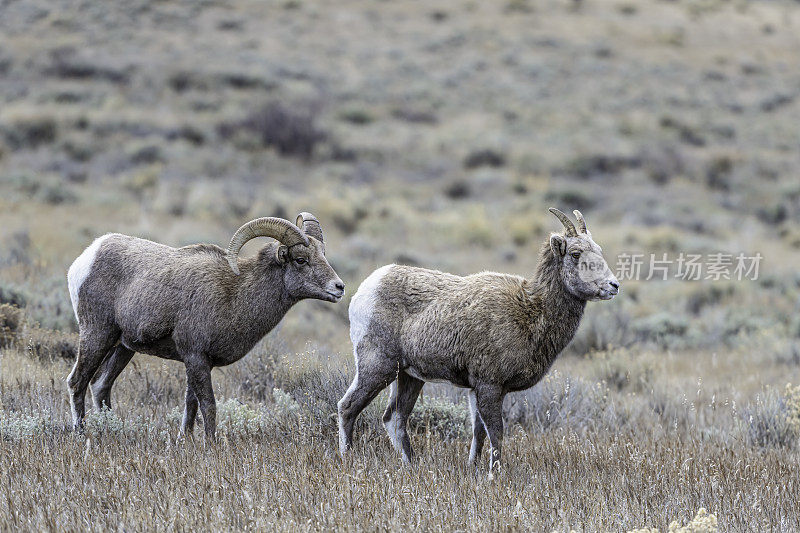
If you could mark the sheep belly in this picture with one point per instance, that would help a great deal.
(163, 348)
(458, 381)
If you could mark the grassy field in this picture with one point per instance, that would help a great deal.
(424, 134)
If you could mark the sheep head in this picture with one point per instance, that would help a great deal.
(581, 266)
(307, 273)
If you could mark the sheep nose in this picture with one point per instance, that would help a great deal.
(339, 285)
(614, 284)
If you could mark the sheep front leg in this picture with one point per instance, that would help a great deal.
(489, 401)
(198, 379)
(189, 412)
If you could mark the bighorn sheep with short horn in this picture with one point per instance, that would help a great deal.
(198, 304)
(491, 333)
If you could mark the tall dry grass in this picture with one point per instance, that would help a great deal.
(578, 455)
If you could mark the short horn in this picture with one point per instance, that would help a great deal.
(310, 225)
(581, 221)
(279, 229)
(568, 225)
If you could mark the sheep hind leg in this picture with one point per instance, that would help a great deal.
(92, 350)
(489, 401)
(478, 431)
(404, 394)
(109, 371)
(373, 374)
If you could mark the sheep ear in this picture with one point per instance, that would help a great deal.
(558, 244)
(282, 255)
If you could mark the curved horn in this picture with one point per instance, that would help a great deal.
(310, 225)
(279, 229)
(568, 225)
(581, 221)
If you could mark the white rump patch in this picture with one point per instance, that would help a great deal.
(362, 306)
(80, 269)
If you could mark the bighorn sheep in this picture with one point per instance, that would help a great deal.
(191, 304)
(491, 333)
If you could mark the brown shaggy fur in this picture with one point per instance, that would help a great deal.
(491, 333)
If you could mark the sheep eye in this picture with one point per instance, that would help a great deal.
(576, 255)
(300, 260)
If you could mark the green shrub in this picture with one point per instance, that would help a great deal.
(49, 345)
(290, 129)
(620, 369)
(284, 403)
(56, 194)
(79, 151)
(11, 320)
(718, 172)
(773, 421)
(708, 295)
(664, 328)
(13, 295)
(17, 250)
(49, 304)
(146, 154)
(740, 321)
(703, 522)
(98, 423)
(415, 116)
(486, 157)
(575, 197)
(30, 131)
(458, 189)
(441, 417)
(774, 214)
(593, 165)
(236, 419)
(687, 133)
(16, 426)
(357, 116)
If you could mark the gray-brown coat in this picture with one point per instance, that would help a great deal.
(491, 333)
(188, 304)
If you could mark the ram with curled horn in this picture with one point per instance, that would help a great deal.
(200, 304)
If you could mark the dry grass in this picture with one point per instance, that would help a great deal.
(576, 460)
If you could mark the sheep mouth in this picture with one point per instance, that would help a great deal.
(606, 295)
(334, 296)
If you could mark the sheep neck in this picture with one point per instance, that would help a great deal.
(559, 312)
(261, 300)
